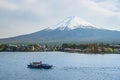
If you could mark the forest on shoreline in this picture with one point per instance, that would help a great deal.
(65, 47)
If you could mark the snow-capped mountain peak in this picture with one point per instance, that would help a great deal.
(72, 22)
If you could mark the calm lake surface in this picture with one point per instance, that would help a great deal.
(67, 66)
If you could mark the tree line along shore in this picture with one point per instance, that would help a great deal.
(65, 47)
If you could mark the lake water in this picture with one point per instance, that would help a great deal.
(67, 66)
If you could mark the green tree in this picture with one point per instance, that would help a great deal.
(4, 47)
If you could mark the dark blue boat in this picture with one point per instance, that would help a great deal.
(39, 65)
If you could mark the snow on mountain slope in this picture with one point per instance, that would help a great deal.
(71, 29)
(71, 23)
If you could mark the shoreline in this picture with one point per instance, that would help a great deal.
(58, 51)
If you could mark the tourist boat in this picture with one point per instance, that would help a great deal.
(39, 65)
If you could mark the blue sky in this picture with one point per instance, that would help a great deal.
(19, 17)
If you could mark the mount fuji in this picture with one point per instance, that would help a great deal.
(71, 29)
(71, 23)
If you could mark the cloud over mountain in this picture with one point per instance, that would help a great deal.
(18, 15)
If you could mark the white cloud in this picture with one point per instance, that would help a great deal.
(104, 7)
(37, 7)
(111, 5)
(8, 5)
(40, 8)
(102, 13)
(44, 8)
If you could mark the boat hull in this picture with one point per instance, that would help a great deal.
(41, 66)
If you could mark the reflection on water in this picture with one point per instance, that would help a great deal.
(13, 66)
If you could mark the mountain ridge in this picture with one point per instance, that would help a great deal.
(71, 29)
